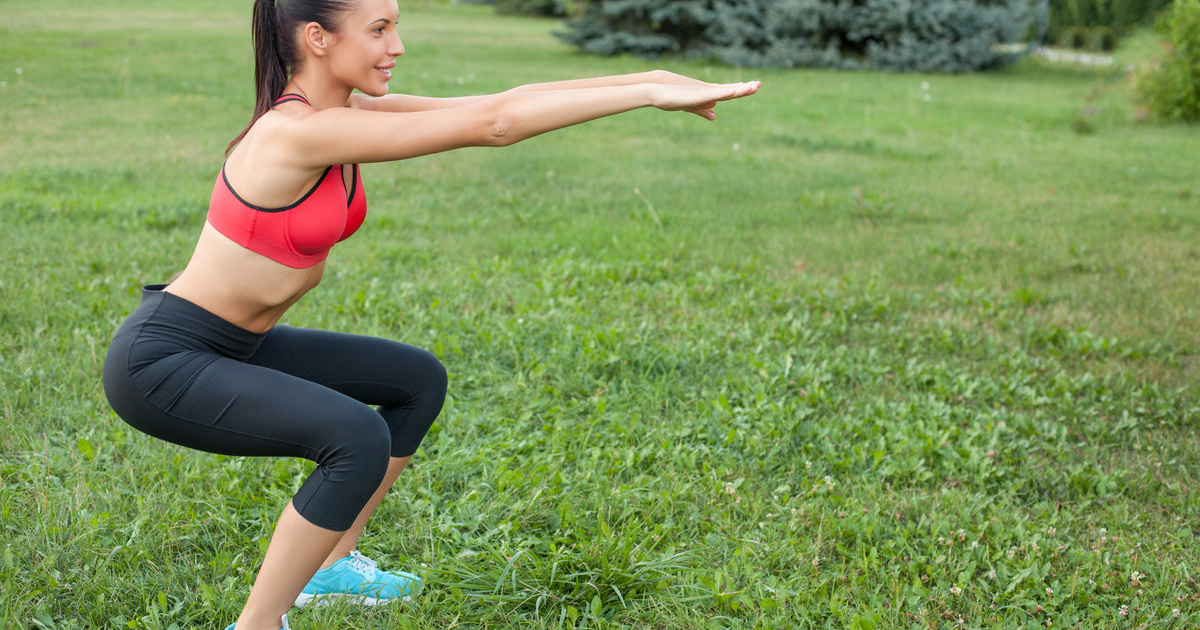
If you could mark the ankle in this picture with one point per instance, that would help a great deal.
(334, 557)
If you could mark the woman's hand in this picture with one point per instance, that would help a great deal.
(699, 99)
(667, 77)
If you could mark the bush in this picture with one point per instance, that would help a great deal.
(1098, 38)
(542, 8)
(1103, 39)
(913, 35)
(1075, 38)
(1117, 16)
(1171, 88)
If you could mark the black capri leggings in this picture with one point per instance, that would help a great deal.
(182, 374)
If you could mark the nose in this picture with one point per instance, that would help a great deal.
(397, 47)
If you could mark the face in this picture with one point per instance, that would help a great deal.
(364, 50)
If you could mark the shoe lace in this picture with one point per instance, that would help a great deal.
(362, 565)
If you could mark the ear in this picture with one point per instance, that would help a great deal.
(316, 39)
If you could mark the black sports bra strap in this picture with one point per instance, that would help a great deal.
(287, 98)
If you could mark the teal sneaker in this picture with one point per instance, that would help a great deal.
(284, 620)
(359, 577)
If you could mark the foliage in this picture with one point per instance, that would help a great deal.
(1171, 87)
(916, 35)
(533, 8)
(871, 351)
(1098, 24)
(540, 8)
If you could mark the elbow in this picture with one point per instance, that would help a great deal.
(502, 121)
(501, 131)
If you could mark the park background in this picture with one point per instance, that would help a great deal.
(871, 350)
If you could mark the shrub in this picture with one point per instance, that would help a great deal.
(1118, 16)
(1103, 39)
(911, 35)
(1171, 88)
(1098, 38)
(1075, 38)
(543, 8)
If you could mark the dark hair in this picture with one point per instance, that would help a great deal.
(275, 54)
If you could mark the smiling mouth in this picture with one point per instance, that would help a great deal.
(386, 72)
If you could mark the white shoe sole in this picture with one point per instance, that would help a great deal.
(325, 599)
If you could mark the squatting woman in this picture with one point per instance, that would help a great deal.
(202, 362)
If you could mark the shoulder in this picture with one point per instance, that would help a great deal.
(275, 152)
(282, 133)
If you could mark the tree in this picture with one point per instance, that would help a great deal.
(896, 35)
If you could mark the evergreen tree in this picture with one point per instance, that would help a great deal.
(897, 35)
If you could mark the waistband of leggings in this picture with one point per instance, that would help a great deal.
(174, 315)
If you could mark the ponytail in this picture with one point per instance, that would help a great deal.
(275, 56)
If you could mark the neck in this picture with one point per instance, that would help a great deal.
(320, 94)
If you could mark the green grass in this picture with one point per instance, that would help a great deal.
(847, 357)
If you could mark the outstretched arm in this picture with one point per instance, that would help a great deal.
(347, 135)
(662, 77)
(406, 103)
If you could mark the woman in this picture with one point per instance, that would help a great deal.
(201, 361)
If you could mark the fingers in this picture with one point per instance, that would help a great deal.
(738, 90)
(734, 90)
(688, 98)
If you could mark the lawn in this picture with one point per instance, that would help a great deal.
(869, 351)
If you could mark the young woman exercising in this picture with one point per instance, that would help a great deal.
(202, 362)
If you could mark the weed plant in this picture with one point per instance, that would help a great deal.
(1171, 87)
(871, 351)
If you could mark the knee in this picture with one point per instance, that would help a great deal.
(431, 376)
(439, 379)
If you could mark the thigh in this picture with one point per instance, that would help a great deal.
(371, 370)
(234, 408)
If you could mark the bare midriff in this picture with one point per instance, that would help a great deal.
(242, 287)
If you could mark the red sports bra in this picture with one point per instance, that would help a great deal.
(299, 235)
